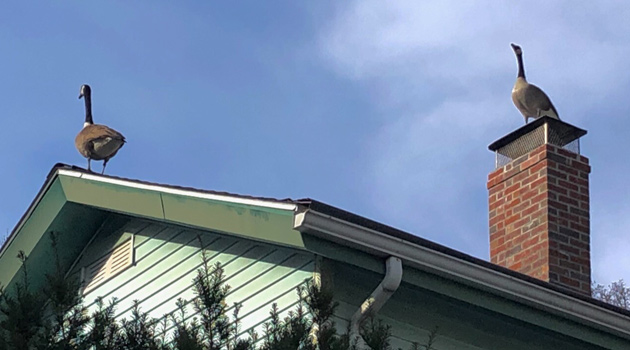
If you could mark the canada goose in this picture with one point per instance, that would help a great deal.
(95, 141)
(528, 98)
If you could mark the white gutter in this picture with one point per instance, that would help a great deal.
(380, 295)
(382, 244)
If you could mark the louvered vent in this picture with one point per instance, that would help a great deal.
(114, 262)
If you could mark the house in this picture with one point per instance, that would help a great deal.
(136, 240)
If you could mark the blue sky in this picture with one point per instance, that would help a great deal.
(384, 109)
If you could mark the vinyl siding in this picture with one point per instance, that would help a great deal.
(166, 261)
(412, 312)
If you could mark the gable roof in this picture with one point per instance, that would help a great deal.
(70, 194)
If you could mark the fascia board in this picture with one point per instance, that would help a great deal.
(489, 280)
(31, 228)
(256, 219)
(187, 193)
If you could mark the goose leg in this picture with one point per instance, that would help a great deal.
(89, 169)
(104, 165)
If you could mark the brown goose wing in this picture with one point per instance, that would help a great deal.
(99, 141)
(535, 99)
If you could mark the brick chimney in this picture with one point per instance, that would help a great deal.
(539, 204)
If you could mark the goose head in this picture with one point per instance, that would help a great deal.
(517, 49)
(85, 90)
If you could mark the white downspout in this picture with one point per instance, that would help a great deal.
(380, 295)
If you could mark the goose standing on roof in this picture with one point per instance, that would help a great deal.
(96, 141)
(528, 98)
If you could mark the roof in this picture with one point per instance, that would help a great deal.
(408, 237)
(334, 212)
(372, 237)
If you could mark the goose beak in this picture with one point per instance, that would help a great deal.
(80, 95)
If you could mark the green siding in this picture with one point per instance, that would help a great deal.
(488, 307)
(167, 258)
(413, 312)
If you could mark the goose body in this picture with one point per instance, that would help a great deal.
(96, 141)
(528, 98)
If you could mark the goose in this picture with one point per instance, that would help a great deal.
(96, 141)
(528, 98)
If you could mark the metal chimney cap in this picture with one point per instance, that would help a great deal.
(542, 131)
(564, 133)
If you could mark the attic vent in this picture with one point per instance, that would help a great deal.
(110, 265)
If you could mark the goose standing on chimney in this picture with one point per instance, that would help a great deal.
(528, 98)
(95, 141)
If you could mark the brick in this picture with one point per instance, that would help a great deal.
(531, 209)
(567, 249)
(496, 173)
(559, 206)
(538, 214)
(567, 169)
(569, 282)
(512, 219)
(543, 196)
(581, 166)
(496, 188)
(557, 158)
(557, 189)
(579, 212)
(567, 200)
(529, 163)
(557, 174)
(497, 204)
(539, 166)
(568, 185)
(578, 181)
(578, 227)
(540, 181)
(566, 153)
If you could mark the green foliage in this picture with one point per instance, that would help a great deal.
(104, 330)
(66, 328)
(429, 344)
(22, 321)
(211, 291)
(376, 334)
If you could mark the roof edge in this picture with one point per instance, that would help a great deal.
(184, 191)
(50, 178)
(516, 287)
(78, 172)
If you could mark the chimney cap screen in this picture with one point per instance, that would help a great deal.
(532, 135)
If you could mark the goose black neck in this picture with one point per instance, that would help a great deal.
(88, 109)
(521, 69)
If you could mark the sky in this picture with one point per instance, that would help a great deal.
(384, 109)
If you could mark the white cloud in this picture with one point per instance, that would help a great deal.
(445, 70)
